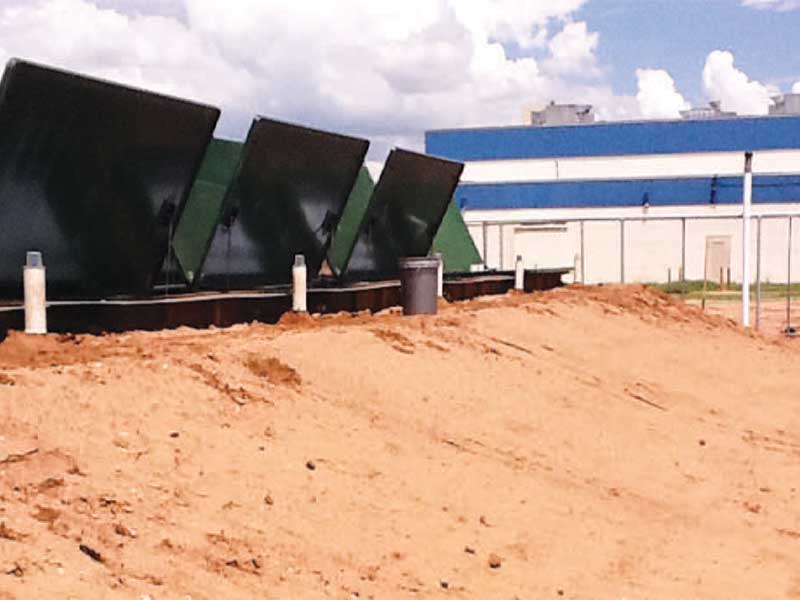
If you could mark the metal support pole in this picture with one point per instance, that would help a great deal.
(746, 206)
(485, 236)
(621, 251)
(789, 281)
(502, 250)
(228, 256)
(758, 273)
(169, 257)
(683, 249)
(583, 258)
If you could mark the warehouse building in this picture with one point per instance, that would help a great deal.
(633, 201)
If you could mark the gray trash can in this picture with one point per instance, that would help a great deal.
(419, 284)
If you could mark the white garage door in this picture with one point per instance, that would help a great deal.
(545, 247)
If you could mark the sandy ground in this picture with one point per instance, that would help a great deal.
(584, 443)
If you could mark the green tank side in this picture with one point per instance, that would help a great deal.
(349, 227)
(201, 214)
(455, 243)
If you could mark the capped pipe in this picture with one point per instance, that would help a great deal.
(33, 281)
(440, 275)
(519, 274)
(299, 284)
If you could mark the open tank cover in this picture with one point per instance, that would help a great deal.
(286, 198)
(453, 240)
(94, 175)
(404, 214)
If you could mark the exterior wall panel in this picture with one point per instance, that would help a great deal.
(629, 167)
(652, 248)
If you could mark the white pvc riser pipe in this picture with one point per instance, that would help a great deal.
(299, 284)
(519, 274)
(747, 202)
(33, 279)
(440, 276)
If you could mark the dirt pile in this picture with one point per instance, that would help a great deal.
(584, 443)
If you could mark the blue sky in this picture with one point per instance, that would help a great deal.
(677, 36)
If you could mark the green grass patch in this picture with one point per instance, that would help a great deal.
(694, 290)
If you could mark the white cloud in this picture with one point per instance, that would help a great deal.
(147, 51)
(737, 92)
(375, 168)
(796, 88)
(657, 96)
(572, 50)
(779, 5)
(164, 8)
(512, 20)
(386, 70)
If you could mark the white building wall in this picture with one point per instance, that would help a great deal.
(551, 238)
(652, 248)
(768, 162)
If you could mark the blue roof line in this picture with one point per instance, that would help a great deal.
(737, 118)
(617, 138)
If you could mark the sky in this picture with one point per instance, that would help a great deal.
(389, 71)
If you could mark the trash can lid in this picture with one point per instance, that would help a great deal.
(418, 262)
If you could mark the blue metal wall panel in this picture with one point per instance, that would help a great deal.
(596, 194)
(616, 139)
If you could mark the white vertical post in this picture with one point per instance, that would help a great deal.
(33, 281)
(583, 258)
(519, 274)
(758, 273)
(789, 281)
(485, 243)
(502, 244)
(747, 201)
(622, 250)
(683, 250)
(299, 284)
(439, 274)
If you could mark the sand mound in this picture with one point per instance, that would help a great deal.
(584, 443)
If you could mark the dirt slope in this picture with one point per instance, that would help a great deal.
(586, 443)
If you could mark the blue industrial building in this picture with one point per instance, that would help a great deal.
(517, 178)
(624, 139)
